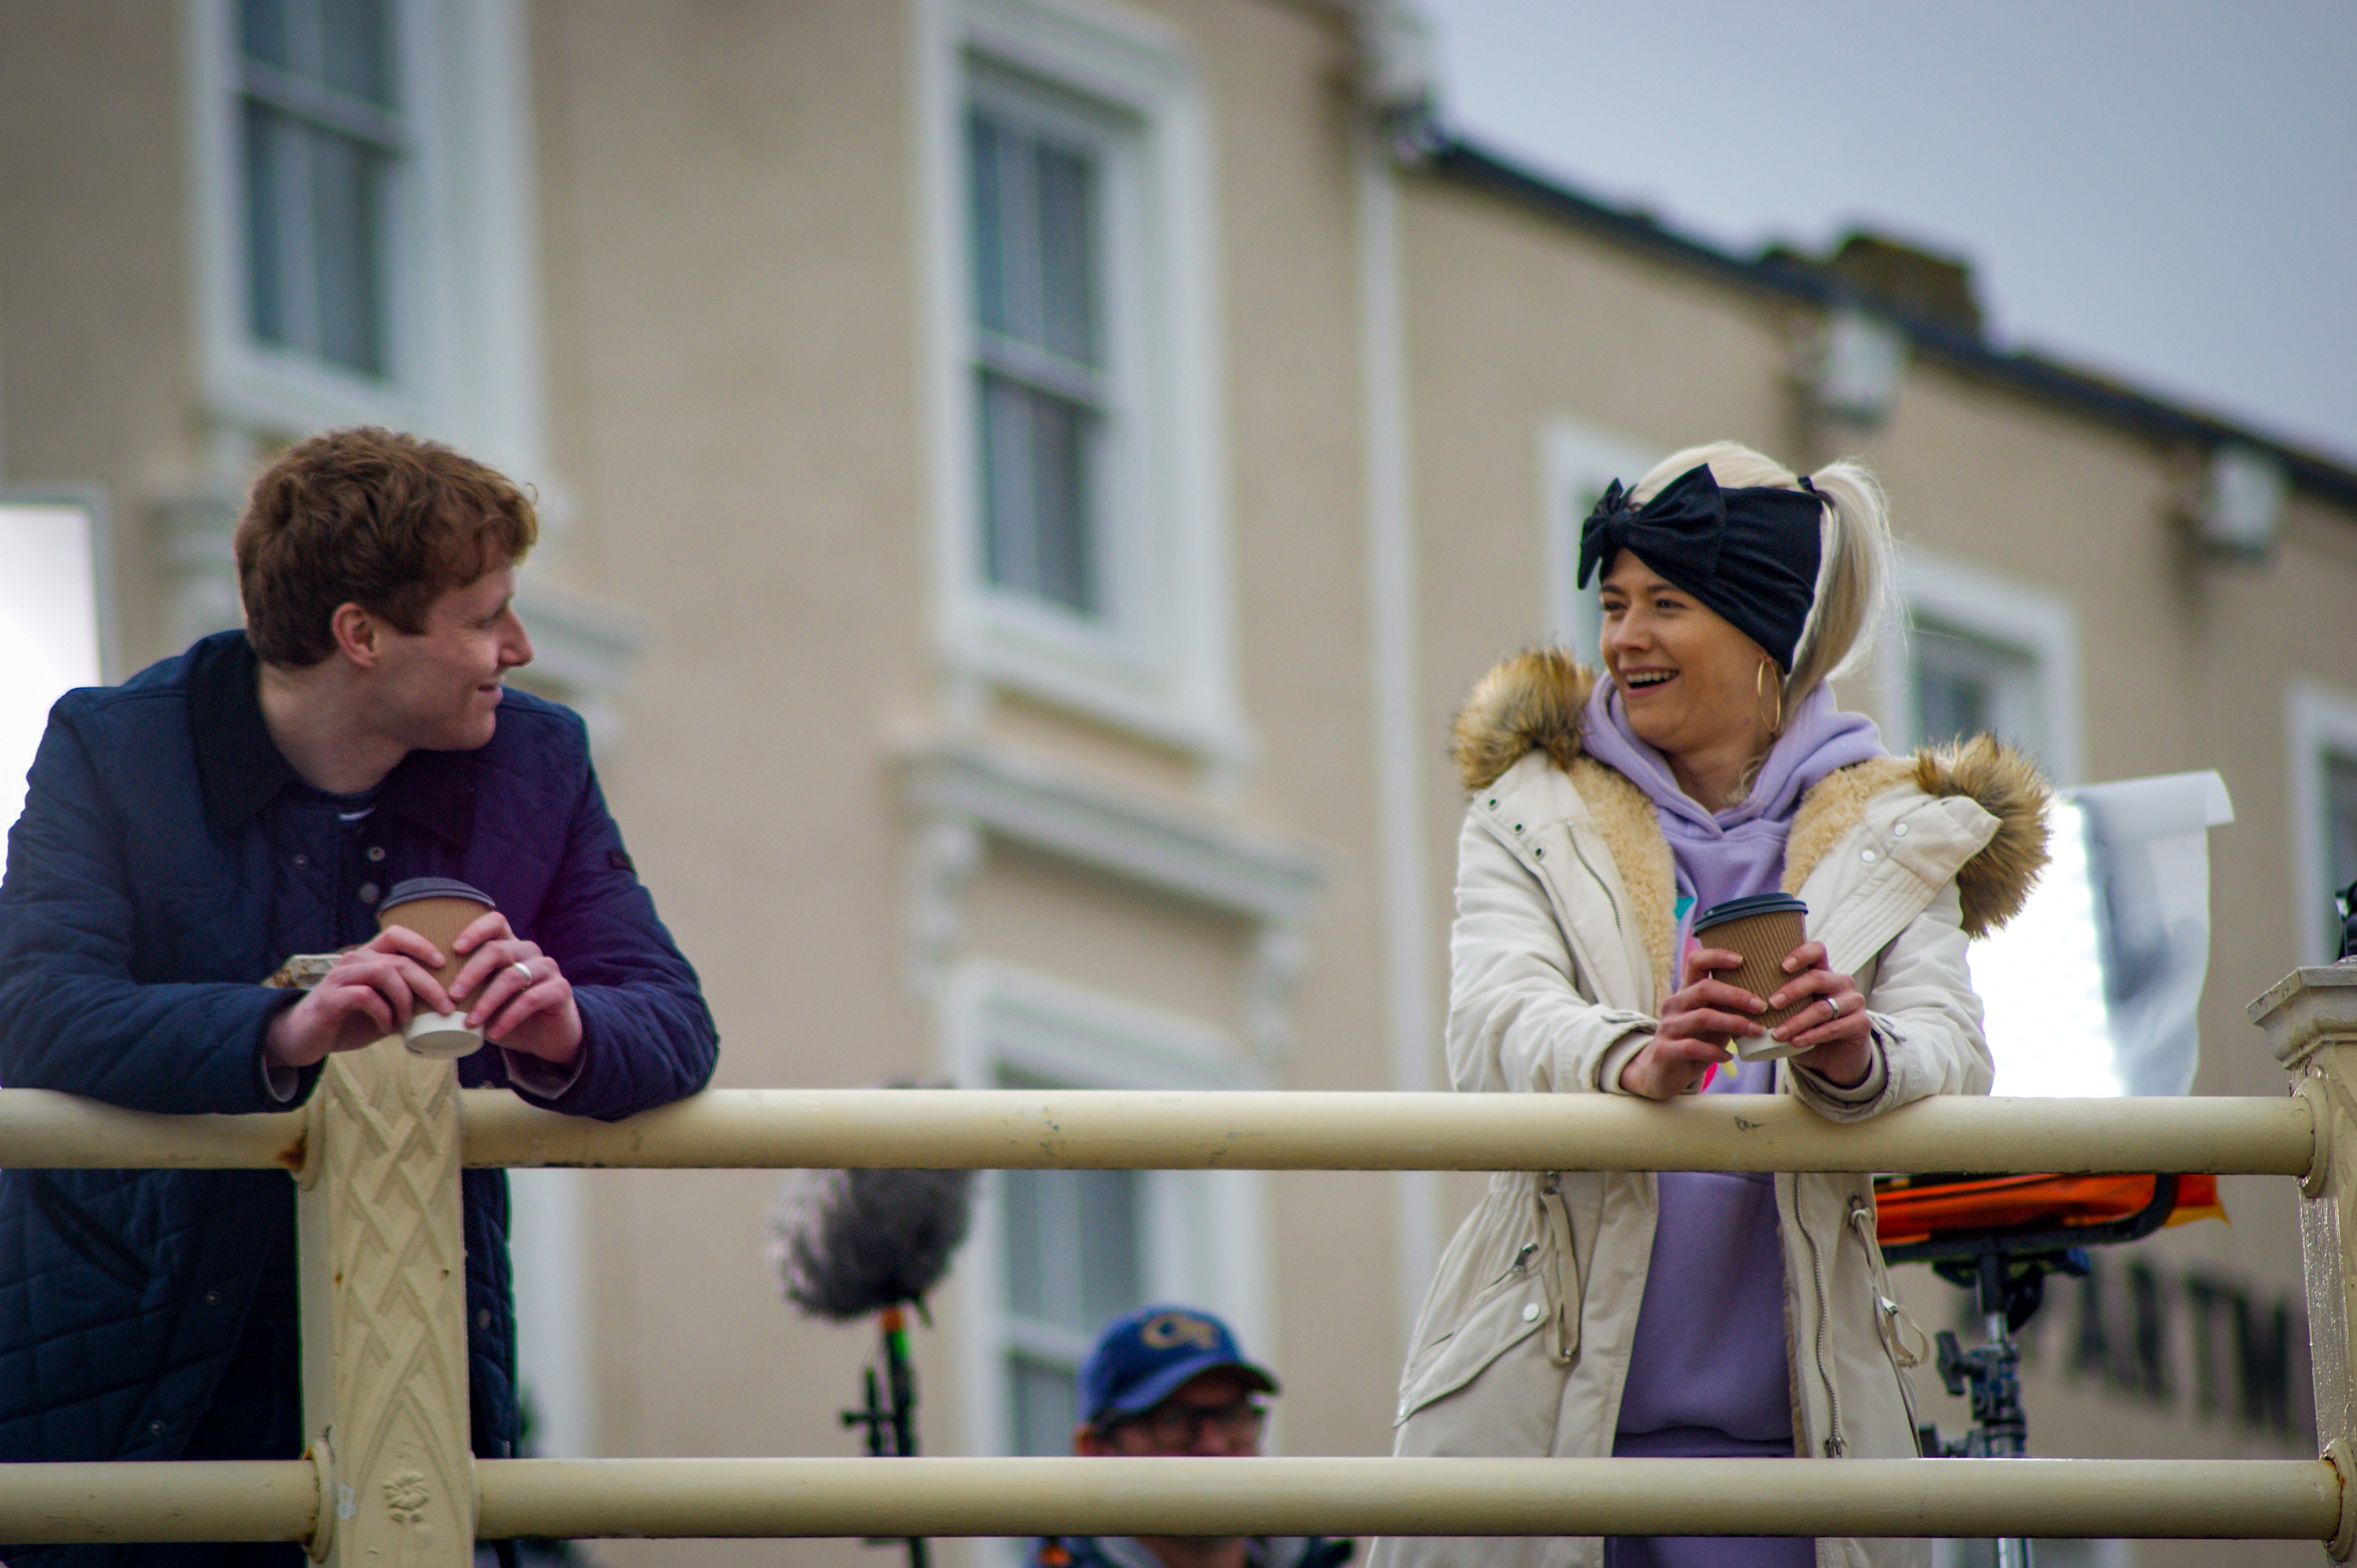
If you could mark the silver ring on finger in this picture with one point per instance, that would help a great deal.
(1834, 1003)
(522, 970)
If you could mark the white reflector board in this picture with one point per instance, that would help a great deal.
(2092, 990)
(48, 627)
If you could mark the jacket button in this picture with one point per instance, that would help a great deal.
(1518, 827)
(1493, 803)
(1539, 851)
(1899, 832)
(301, 861)
(376, 851)
(1531, 1313)
(482, 1317)
(368, 892)
(155, 1428)
(1869, 856)
(212, 1298)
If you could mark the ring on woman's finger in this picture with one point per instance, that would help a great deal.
(1834, 1003)
(522, 970)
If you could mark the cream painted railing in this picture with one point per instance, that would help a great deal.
(376, 1156)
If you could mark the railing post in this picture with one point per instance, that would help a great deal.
(2310, 1019)
(384, 1313)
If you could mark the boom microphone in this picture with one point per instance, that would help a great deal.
(846, 1243)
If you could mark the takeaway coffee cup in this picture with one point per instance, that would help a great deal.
(1765, 929)
(437, 909)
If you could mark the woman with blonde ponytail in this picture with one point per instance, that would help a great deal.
(1702, 1313)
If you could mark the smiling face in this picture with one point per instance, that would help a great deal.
(1689, 680)
(439, 689)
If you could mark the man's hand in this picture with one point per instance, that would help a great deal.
(1838, 1036)
(1696, 1024)
(519, 997)
(370, 993)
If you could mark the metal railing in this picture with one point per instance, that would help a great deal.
(377, 1153)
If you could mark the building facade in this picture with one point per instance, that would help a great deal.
(1026, 484)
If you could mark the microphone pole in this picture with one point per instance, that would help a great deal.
(889, 1412)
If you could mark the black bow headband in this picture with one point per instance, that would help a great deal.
(1750, 554)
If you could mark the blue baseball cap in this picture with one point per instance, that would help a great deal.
(1143, 1358)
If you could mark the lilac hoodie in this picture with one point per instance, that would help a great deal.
(1707, 1370)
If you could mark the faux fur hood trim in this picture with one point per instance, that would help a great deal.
(1996, 882)
(1529, 702)
(1534, 701)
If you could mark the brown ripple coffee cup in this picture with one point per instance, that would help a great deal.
(437, 909)
(1765, 929)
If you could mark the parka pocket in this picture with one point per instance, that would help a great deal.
(1509, 1312)
(1538, 1291)
(85, 1233)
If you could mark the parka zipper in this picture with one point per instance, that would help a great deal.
(1835, 1447)
(1891, 1319)
(1565, 1303)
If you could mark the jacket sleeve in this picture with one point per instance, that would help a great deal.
(1517, 1019)
(1927, 1021)
(647, 1038)
(71, 1016)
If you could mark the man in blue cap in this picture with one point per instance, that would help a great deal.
(1169, 1381)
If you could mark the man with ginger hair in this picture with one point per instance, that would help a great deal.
(250, 802)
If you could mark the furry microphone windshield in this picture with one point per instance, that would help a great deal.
(846, 1243)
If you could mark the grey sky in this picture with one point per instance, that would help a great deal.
(2164, 191)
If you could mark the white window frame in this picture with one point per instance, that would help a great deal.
(1207, 1230)
(1160, 665)
(1576, 461)
(2319, 722)
(463, 306)
(2034, 624)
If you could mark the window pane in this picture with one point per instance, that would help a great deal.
(2341, 827)
(1964, 685)
(1072, 1247)
(1044, 1406)
(316, 240)
(1068, 250)
(273, 162)
(264, 32)
(356, 48)
(986, 159)
(1038, 496)
(1033, 203)
(1951, 705)
(347, 184)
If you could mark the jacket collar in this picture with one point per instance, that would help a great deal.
(241, 770)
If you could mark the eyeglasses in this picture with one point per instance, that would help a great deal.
(1180, 1426)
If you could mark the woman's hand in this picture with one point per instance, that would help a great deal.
(1835, 1032)
(524, 1003)
(1696, 1024)
(370, 992)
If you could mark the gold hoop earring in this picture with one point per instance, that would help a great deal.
(1760, 684)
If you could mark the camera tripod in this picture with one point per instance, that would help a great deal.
(2007, 1271)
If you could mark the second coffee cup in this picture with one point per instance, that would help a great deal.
(1765, 929)
(437, 909)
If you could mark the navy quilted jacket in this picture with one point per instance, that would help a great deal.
(168, 859)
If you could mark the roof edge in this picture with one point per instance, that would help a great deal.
(1434, 149)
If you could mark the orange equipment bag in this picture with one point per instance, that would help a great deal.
(1912, 1209)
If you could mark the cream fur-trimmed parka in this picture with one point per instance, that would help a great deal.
(1566, 891)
